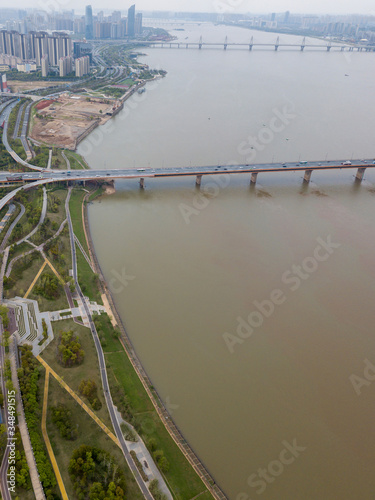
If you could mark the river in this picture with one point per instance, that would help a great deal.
(251, 309)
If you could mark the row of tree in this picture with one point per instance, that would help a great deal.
(28, 376)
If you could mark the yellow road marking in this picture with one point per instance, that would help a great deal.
(47, 441)
(54, 270)
(35, 280)
(79, 401)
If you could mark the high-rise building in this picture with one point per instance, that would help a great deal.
(89, 24)
(45, 66)
(116, 16)
(82, 66)
(138, 24)
(131, 22)
(65, 65)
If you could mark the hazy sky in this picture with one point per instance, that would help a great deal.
(314, 6)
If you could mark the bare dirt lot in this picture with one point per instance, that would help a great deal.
(65, 121)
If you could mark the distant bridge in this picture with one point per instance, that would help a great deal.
(274, 46)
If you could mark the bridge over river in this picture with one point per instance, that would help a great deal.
(44, 176)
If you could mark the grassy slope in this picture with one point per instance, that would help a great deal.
(86, 277)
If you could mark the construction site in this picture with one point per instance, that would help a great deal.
(65, 121)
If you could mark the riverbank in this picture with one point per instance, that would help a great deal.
(165, 428)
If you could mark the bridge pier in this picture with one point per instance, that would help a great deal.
(198, 181)
(142, 183)
(307, 176)
(303, 44)
(360, 173)
(253, 179)
(277, 44)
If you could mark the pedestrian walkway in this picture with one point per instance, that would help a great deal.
(47, 441)
(35, 280)
(79, 401)
(84, 253)
(53, 269)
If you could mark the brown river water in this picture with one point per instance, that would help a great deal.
(252, 310)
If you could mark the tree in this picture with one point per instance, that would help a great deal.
(69, 350)
(89, 389)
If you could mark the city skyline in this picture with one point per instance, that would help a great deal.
(364, 7)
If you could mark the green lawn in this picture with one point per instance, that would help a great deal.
(89, 369)
(49, 305)
(127, 81)
(19, 249)
(75, 206)
(77, 162)
(22, 284)
(87, 279)
(181, 477)
(89, 434)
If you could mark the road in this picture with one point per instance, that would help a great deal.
(25, 125)
(18, 121)
(7, 216)
(9, 232)
(102, 367)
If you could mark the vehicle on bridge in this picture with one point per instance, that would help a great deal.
(15, 179)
